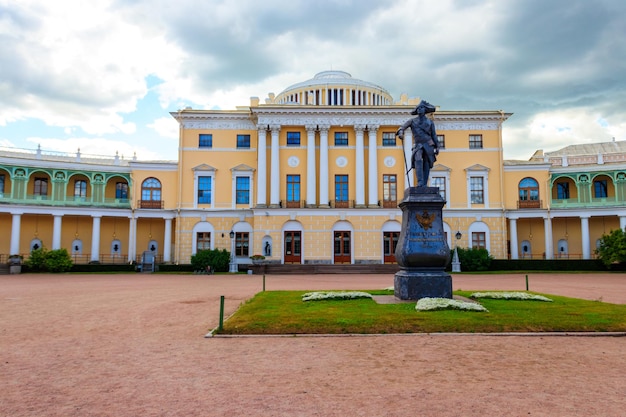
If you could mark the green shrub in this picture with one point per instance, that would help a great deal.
(58, 260)
(216, 258)
(474, 259)
(612, 247)
(37, 260)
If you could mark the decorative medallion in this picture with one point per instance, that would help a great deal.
(341, 161)
(390, 161)
(293, 161)
(425, 220)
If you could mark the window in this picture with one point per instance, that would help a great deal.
(562, 190)
(41, 186)
(528, 190)
(389, 139)
(242, 244)
(341, 189)
(80, 188)
(442, 141)
(293, 190)
(600, 189)
(243, 141)
(476, 141)
(439, 182)
(1, 184)
(121, 190)
(203, 241)
(341, 138)
(243, 190)
(390, 189)
(479, 240)
(151, 190)
(477, 190)
(204, 190)
(293, 138)
(205, 140)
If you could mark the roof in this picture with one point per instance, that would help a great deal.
(590, 149)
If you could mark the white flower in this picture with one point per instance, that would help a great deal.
(335, 295)
(425, 304)
(517, 295)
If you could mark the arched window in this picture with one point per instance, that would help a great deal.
(529, 193)
(151, 193)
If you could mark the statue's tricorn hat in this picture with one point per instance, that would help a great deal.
(429, 108)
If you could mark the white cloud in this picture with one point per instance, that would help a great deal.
(166, 127)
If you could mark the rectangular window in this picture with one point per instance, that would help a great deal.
(203, 241)
(204, 190)
(121, 190)
(243, 141)
(205, 140)
(41, 186)
(600, 189)
(479, 240)
(442, 141)
(341, 188)
(389, 139)
(562, 190)
(341, 138)
(439, 182)
(80, 188)
(1, 184)
(477, 191)
(243, 190)
(293, 138)
(390, 188)
(242, 244)
(476, 141)
(293, 188)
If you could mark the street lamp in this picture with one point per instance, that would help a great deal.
(232, 266)
(456, 264)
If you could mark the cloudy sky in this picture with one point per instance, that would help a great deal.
(103, 75)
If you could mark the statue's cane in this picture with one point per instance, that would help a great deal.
(406, 165)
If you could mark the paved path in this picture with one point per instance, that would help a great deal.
(133, 345)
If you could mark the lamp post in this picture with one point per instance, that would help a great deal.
(232, 266)
(456, 264)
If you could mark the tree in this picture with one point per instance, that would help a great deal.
(612, 247)
(58, 260)
(217, 259)
(474, 259)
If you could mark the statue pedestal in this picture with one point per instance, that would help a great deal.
(422, 251)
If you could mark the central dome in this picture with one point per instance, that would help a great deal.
(335, 88)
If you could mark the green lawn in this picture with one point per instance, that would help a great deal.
(284, 312)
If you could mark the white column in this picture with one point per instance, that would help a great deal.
(513, 239)
(324, 166)
(56, 231)
(167, 241)
(584, 228)
(311, 176)
(15, 234)
(275, 168)
(132, 239)
(95, 239)
(547, 226)
(622, 222)
(261, 188)
(360, 167)
(373, 167)
(408, 147)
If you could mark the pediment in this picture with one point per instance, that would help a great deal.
(243, 167)
(203, 167)
(478, 167)
(441, 168)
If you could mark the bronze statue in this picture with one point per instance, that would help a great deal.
(425, 143)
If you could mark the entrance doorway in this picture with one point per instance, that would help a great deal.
(293, 247)
(342, 247)
(390, 241)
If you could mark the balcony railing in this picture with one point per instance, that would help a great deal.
(526, 204)
(150, 204)
(69, 201)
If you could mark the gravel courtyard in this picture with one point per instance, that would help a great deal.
(133, 345)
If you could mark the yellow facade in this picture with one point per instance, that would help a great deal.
(312, 175)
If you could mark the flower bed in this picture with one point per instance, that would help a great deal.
(516, 295)
(430, 304)
(335, 295)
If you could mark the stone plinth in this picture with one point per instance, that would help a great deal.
(422, 251)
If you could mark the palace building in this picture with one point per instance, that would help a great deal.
(312, 175)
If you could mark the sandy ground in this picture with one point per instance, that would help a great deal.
(133, 345)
